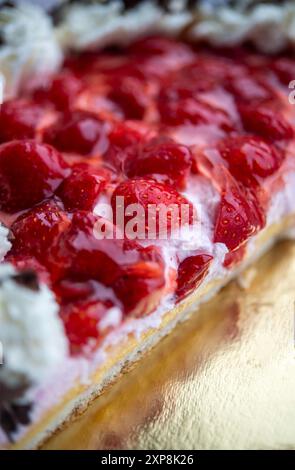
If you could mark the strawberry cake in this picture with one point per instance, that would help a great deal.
(146, 159)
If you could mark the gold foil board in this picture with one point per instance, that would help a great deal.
(225, 379)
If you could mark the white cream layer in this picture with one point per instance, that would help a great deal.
(32, 337)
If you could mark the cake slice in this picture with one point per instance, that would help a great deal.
(135, 182)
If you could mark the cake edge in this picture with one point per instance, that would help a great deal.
(124, 355)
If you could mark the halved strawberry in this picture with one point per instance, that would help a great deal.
(265, 122)
(29, 173)
(239, 215)
(250, 88)
(131, 94)
(158, 208)
(81, 320)
(140, 285)
(160, 156)
(35, 231)
(76, 132)
(250, 157)
(19, 119)
(180, 106)
(136, 274)
(191, 273)
(128, 133)
(82, 254)
(123, 136)
(284, 68)
(82, 188)
(232, 258)
(63, 91)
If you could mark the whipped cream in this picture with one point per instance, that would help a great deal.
(31, 333)
(85, 26)
(269, 26)
(5, 244)
(33, 46)
(29, 45)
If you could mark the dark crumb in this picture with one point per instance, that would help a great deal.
(27, 279)
(13, 416)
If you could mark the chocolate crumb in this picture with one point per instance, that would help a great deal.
(28, 279)
(22, 413)
(8, 422)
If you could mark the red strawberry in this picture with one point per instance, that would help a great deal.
(140, 286)
(179, 107)
(70, 291)
(249, 88)
(81, 255)
(82, 323)
(128, 133)
(266, 122)
(158, 57)
(239, 216)
(19, 119)
(82, 188)
(191, 273)
(29, 173)
(250, 157)
(161, 156)
(131, 94)
(150, 196)
(284, 69)
(35, 231)
(63, 91)
(234, 257)
(76, 132)
(124, 137)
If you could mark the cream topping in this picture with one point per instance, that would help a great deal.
(5, 244)
(33, 45)
(29, 45)
(31, 333)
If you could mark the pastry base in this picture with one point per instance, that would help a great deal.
(125, 354)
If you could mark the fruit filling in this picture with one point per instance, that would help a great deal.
(121, 143)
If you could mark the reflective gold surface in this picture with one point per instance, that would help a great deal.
(224, 379)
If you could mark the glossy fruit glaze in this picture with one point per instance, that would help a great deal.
(140, 123)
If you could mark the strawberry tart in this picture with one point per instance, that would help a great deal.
(146, 158)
